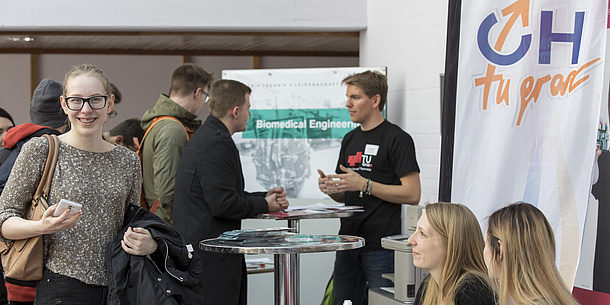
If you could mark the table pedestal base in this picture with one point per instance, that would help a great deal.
(285, 279)
(286, 249)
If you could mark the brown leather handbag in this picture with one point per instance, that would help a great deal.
(23, 259)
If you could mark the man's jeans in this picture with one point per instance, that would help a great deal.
(354, 269)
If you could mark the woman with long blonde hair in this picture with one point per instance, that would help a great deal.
(520, 254)
(448, 242)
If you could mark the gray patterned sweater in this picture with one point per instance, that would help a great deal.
(104, 183)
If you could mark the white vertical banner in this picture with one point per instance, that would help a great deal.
(527, 109)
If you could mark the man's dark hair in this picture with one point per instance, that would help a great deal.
(186, 78)
(5, 114)
(128, 129)
(225, 94)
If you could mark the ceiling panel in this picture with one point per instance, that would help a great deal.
(186, 43)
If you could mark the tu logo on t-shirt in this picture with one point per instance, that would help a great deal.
(366, 159)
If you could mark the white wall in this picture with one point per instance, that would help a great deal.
(409, 38)
(184, 15)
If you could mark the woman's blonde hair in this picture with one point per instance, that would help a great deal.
(88, 70)
(527, 273)
(461, 237)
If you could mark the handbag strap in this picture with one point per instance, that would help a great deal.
(44, 186)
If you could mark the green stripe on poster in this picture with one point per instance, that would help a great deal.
(298, 124)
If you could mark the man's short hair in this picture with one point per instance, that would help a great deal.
(186, 78)
(129, 129)
(371, 82)
(226, 94)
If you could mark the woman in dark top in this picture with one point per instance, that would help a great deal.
(449, 244)
(520, 254)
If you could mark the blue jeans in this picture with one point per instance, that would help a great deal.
(356, 271)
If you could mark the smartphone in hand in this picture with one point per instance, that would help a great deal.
(67, 204)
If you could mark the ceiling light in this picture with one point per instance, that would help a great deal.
(19, 39)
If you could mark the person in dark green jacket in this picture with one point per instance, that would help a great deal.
(165, 141)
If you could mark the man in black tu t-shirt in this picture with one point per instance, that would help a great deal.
(377, 169)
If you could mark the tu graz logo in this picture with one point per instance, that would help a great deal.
(559, 85)
(364, 160)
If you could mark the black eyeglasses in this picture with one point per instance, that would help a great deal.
(77, 102)
(207, 96)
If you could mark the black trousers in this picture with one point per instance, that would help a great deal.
(56, 289)
(224, 279)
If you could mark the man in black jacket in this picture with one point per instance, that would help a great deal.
(210, 197)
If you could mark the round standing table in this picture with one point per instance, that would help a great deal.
(294, 222)
(283, 247)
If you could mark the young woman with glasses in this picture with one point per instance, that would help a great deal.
(448, 243)
(520, 255)
(103, 177)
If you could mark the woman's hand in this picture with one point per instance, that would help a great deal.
(16, 228)
(138, 241)
(51, 224)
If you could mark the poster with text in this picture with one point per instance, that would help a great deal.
(529, 88)
(298, 119)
